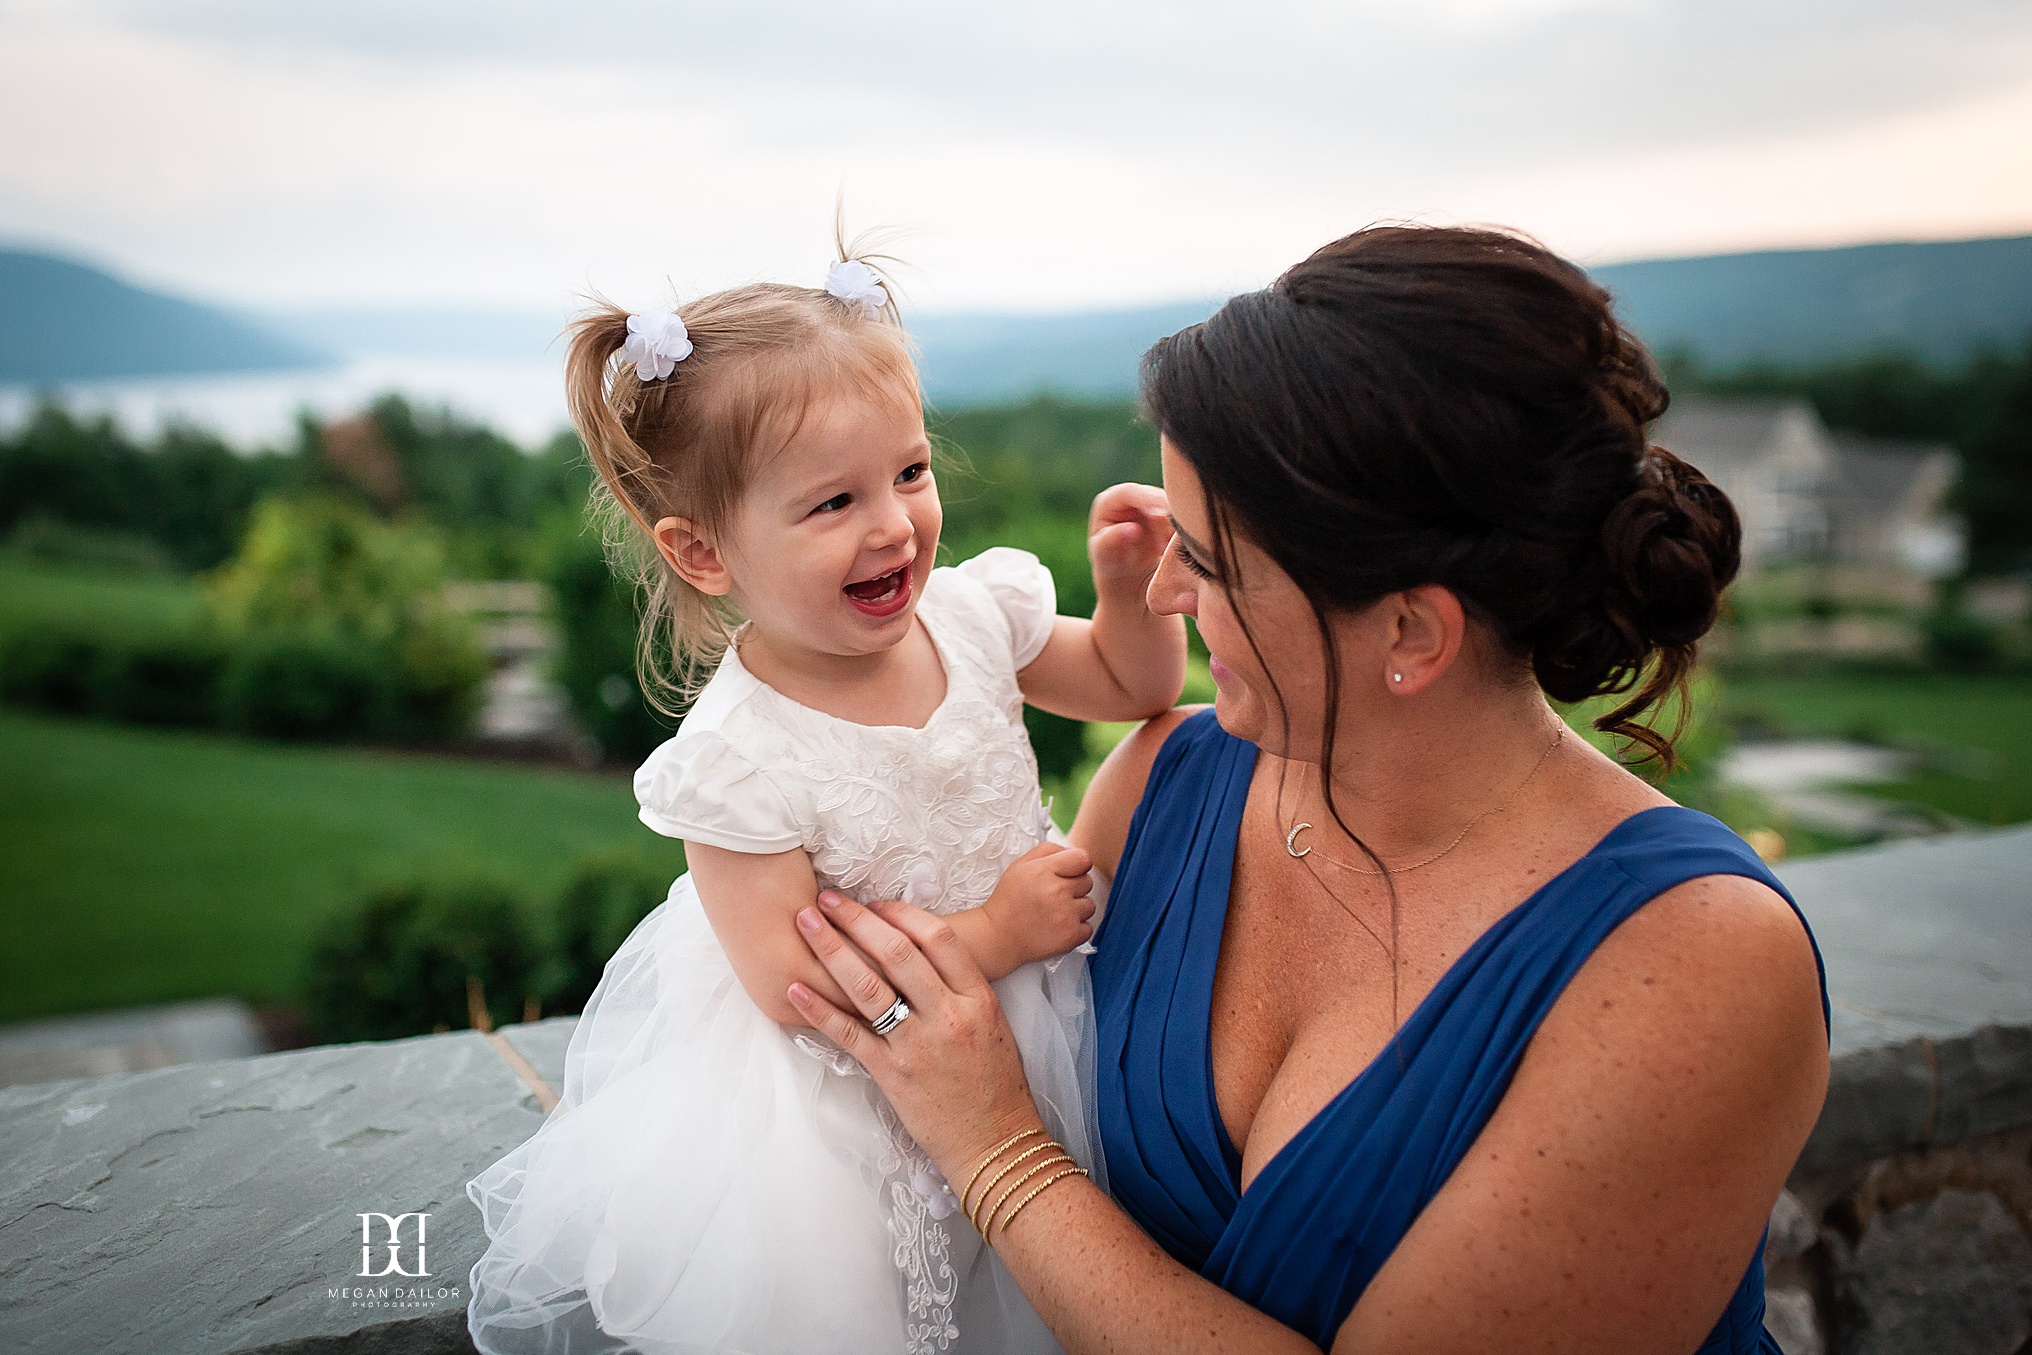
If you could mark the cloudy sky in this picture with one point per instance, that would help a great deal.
(1055, 154)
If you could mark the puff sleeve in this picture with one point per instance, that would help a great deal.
(698, 787)
(1023, 590)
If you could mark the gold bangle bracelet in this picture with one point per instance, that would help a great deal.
(1010, 1217)
(1004, 1146)
(1049, 1145)
(1023, 1180)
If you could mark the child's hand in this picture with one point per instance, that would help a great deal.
(1127, 533)
(1042, 906)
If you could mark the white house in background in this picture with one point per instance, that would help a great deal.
(1805, 494)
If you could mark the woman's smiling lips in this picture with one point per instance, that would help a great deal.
(1221, 672)
(882, 596)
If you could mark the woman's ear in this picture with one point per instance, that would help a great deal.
(1427, 628)
(696, 560)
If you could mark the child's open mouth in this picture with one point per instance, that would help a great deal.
(885, 596)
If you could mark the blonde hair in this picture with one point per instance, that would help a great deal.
(687, 446)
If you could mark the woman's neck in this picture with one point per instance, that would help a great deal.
(1409, 785)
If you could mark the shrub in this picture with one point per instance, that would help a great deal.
(596, 623)
(1060, 744)
(301, 685)
(51, 666)
(412, 958)
(170, 677)
(165, 676)
(1958, 641)
(342, 629)
(594, 914)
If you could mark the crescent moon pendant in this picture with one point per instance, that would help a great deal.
(1290, 840)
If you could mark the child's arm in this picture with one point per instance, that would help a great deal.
(752, 902)
(1039, 908)
(1127, 663)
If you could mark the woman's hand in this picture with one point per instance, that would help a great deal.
(951, 1069)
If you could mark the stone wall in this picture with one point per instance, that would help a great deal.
(218, 1207)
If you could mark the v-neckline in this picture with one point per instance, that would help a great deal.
(1231, 1154)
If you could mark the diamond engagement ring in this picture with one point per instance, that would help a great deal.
(892, 1018)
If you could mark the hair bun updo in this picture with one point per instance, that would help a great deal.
(1668, 550)
(1465, 406)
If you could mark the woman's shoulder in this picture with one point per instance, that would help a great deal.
(1153, 751)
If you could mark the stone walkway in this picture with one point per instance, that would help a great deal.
(128, 1041)
(1811, 781)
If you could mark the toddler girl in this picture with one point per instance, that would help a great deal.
(715, 1178)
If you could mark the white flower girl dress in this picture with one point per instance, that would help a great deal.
(712, 1181)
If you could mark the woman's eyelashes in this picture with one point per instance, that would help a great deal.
(1192, 566)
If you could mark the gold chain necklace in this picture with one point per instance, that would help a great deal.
(1291, 838)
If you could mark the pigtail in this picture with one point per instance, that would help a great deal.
(600, 397)
(683, 632)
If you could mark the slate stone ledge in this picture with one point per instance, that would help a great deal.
(1920, 1094)
(217, 1206)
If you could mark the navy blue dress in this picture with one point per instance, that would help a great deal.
(1324, 1214)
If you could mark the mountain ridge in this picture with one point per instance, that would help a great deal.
(61, 320)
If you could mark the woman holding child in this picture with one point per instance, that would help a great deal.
(1422, 1026)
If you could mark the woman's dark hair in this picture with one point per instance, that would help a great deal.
(1417, 405)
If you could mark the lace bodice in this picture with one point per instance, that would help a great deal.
(932, 815)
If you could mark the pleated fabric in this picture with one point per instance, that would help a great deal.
(1318, 1222)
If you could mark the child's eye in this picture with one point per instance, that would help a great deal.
(911, 474)
(834, 504)
(1192, 566)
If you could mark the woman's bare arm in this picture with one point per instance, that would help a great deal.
(1617, 1195)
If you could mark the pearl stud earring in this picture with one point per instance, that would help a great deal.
(1396, 677)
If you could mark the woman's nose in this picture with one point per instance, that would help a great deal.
(1170, 591)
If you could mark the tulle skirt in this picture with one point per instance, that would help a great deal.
(711, 1182)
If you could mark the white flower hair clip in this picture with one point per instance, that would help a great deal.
(656, 343)
(858, 285)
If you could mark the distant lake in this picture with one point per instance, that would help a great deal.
(519, 397)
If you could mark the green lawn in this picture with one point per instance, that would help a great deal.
(1975, 731)
(34, 592)
(146, 866)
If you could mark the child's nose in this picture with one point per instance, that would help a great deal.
(892, 526)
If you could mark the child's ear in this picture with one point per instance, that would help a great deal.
(696, 560)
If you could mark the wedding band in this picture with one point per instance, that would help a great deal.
(892, 1018)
